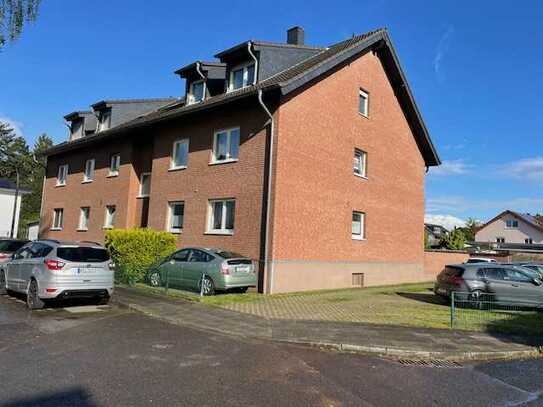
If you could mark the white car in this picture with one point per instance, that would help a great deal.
(479, 260)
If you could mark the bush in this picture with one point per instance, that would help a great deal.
(134, 251)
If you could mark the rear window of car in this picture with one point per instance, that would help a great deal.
(83, 254)
(10, 246)
(228, 255)
(453, 272)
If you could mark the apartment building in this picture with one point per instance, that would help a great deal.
(310, 160)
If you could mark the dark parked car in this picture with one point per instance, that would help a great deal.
(10, 246)
(506, 283)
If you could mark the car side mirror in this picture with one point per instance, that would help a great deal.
(537, 281)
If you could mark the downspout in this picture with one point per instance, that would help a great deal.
(198, 65)
(268, 197)
(249, 46)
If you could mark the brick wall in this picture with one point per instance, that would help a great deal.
(435, 261)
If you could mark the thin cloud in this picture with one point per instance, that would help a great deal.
(451, 167)
(449, 222)
(15, 125)
(530, 169)
(441, 50)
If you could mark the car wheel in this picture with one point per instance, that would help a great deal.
(3, 282)
(154, 279)
(207, 287)
(33, 301)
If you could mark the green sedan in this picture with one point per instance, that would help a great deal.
(205, 270)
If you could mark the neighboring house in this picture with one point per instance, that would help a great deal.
(7, 202)
(310, 160)
(511, 227)
(435, 233)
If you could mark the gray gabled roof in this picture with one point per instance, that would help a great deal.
(258, 43)
(292, 79)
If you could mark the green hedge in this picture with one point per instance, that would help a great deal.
(134, 251)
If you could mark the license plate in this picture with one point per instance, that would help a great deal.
(441, 291)
(83, 270)
(243, 269)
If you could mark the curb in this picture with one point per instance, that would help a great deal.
(375, 350)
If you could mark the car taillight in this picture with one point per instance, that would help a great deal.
(4, 256)
(457, 281)
(224, 268)
(111, 265)
(54, 264)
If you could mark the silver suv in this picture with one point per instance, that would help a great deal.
(51, 269)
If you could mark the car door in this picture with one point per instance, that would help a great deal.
(14, 269)
(174, 268)
(195, 268)
(27, 263)
(524, 290)
(498, 284)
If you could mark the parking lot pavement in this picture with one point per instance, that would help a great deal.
(114, 358)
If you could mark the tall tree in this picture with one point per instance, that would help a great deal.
(14, 15)
(454, 240)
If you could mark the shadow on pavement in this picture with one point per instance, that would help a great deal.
(74, 302)
(70, 397)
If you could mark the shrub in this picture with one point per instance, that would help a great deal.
(134, 251)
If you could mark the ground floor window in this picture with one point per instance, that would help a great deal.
(109, 221)
(58, 219)
(221, 215)
(358, 225)
(84, 218)
(500, 240)
(175, 216)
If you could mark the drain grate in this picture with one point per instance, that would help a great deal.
(430, 363)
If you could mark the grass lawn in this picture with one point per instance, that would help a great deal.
(407, 305)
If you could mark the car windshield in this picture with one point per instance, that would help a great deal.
(530, 272)
(83, 254)
(10, 246)
(228, 255)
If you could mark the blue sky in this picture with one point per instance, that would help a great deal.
(476, 69)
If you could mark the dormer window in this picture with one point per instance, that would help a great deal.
(242, 76)
(196, 91)
(104, 120)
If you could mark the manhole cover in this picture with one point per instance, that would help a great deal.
(430, 363)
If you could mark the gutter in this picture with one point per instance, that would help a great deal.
(269, 271)
(249, 46)
(204, 79)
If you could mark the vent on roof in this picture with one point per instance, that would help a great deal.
(295, 36)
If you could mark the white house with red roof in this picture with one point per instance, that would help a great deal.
(512, 227)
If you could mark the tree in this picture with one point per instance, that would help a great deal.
(14, 15)
(454, 240)
(470, 229)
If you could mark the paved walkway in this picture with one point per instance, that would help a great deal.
(388, 340)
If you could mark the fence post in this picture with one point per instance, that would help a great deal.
(452, 310)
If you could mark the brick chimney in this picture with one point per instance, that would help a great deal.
(295, 36)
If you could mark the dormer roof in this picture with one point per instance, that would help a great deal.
(205, 66)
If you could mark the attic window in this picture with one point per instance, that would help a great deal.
(104, 120)
(241, 76)
(196, 92)
(511, 223)
(363, 103)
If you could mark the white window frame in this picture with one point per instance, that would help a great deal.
(58, 219)
(513, 221)
(364, 163)
(245, 67)
(498, 238)
(104, 125)
(109, 219)
(117, 158)
(62, 175)
(171, 205)
(529, 240)
(88, 175)
(228, 159)
(366, 96)
(141, 194)
(210, 214)
(172, 156)
(191, 100)
(84, 217)
(362, 235)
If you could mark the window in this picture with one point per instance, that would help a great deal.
(104, 120)
(89, 170)
(511, 223)
(180, 154)
(500, 240)
(58, 219)
(198, 256)
(495, 274)
(518, 276)
(145, 184)
(175, 216)
(62, 174)
(182, 255)
(226, 146)
(241, 76)
(360, 163)
(84, 218)
(109, 221)
(359, 227)
(114, 165)
(196, 92)
(363, 103)
(221, 216)
(529, 241)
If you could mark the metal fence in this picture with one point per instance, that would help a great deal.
(491, 313)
